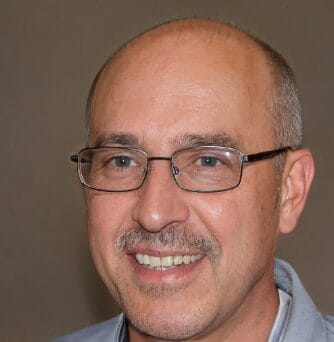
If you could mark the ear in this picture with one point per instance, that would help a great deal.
(295, 185)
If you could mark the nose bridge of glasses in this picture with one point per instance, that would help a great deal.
(174, 169)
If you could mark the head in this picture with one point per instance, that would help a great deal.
(183, 84)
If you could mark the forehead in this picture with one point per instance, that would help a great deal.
(181, 85)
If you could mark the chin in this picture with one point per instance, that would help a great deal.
(168, 323)
(166, 328)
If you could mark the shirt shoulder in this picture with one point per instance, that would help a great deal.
(305, 322)
(113, 330)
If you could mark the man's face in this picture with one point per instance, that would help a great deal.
(171, 95)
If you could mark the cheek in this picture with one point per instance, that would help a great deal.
(107, 212)
(108, 216)
(242, 220)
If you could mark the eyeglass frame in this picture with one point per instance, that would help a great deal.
(243, 158)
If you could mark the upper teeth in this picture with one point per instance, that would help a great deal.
(166, 261)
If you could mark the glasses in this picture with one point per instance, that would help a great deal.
(196, 169)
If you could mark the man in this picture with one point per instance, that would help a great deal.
(194, 167)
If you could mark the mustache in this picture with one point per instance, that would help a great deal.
(174, 236)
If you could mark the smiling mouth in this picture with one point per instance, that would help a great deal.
(167, 262)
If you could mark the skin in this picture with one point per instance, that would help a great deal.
(170, 82)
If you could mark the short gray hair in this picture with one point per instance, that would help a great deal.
(285, 104)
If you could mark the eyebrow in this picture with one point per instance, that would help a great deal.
(193, 140)
(115, 138)
(184, 140)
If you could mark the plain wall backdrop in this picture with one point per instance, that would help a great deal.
(50, 52)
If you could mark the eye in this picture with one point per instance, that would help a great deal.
(209, 161)
(122, 161)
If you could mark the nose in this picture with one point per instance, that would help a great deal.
(160, 201)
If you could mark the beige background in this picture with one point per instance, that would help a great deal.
(50, 51)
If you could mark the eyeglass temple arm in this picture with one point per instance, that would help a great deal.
(264, 155)
(74, 158)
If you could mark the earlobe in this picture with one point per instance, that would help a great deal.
(295, 185)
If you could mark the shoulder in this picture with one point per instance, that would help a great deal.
(305, 322)
(111, 330)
